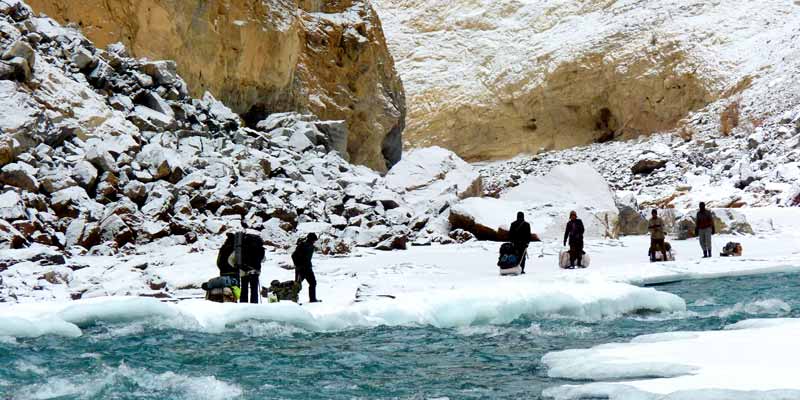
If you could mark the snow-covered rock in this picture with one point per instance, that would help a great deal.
(485, 217)
(10, 237)
(21, 175)
(631, 219)
(433, 172)
(11, 206)
(578, 187)
(726, 221)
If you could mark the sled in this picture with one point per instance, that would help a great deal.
(658, 257)
(509, 263)
(732, 249)
(513, 271)
(563, 260)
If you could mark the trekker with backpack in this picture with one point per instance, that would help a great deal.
(520, 236)
(657, 237)
(239, 262)
(303, 270)
(240, 258)
(574, 235)
(704, 228)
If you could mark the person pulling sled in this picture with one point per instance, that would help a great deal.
(519, 234)
(658, 239)
(574, 236)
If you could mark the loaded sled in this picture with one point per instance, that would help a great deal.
(563, 260)
(281, 291)
(657, 256)
(732, 249)
(222, 289)
(510, 260)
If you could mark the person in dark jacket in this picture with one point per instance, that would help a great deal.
(303, 269)
(246, 270)
(704, 228)
(520, 236)
(574, 235)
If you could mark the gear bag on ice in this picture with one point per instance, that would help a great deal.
(732, 249)
(510, 259)
(508, 256)
(280, 291)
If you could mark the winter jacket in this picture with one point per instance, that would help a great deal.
(704, 220)
(252, 254)
(520, 233)
(302, 256)
(574, 231)
(656, 228)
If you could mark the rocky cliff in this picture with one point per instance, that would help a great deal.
(492, 79)
(325, 57)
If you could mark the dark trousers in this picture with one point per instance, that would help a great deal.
(657, 245)
(249, 284)
(575, 252)
(308, 276)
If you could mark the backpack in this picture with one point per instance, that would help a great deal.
(243, 251)
(732, 249)
(508, 256)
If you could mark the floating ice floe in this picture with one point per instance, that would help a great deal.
(687, 365)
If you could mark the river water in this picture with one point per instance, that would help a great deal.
(148, 359)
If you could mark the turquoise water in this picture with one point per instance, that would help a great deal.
(257, 360)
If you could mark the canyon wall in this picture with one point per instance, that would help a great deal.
(259, 57)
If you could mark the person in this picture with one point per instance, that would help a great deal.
(520, 236)
(574, 235)
(240, 258)
(704, 228)
(228, 270)
(303, 269)
(657, 236)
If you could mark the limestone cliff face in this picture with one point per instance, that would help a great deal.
(328, 57)
(491, 79)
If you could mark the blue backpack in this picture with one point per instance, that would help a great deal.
(508, 256)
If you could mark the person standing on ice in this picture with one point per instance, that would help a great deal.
(574, 235)
(704, 228)
(657, 236)
(520, 236)
(303, 269)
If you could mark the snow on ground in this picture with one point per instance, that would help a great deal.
(440, 285)
(687, 362)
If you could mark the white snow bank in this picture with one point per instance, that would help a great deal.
(547, 201)
(623, 392)
(432, 173)
(689, 361)
(566, 186)
(441, 308)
